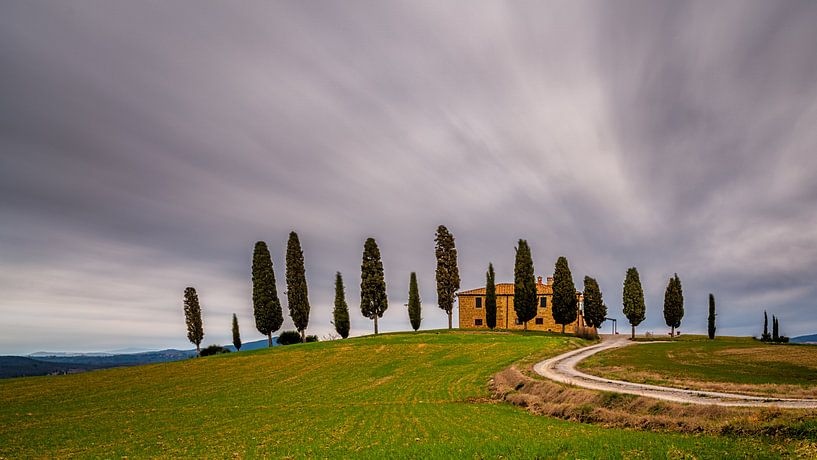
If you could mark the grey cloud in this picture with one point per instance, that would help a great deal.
(146, 147)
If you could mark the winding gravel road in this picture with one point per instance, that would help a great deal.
(562, 369)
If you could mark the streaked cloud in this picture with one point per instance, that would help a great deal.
(147, 146)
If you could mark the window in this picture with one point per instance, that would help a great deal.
(540, 321)
(479, 302)
(478, 322)
(543, 302)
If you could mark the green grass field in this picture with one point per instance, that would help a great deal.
(727, 363)
(393, 396)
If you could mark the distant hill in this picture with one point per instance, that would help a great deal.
(246, 346)
(128, 359)
(804, 339)
(19, 366)
(49, 363)
(40, 354)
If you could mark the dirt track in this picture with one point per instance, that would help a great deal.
(562, 369)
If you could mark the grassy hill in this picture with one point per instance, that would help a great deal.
(739, 364)
(397, 395)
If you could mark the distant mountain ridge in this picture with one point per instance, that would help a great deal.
(20, 366)
(804, 339)
(50, 363)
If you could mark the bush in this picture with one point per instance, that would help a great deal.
(587, 333)
(312, 338)
(213, 350)
(289, 338)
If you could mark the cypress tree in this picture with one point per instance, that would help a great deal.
(297, 296)
(265, 304)
(775, 330)
(373, 301)
(633, 299)
(711, 319)
(766, 336)
(490, 297)
(595, 311)
(236, 334)
(192, 316)
(414, 302)
(448, 275)
(673, 304)
(565, 305)
(340, 314)
(524, 289)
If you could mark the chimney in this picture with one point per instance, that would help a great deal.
(550, 280)
(539, 280)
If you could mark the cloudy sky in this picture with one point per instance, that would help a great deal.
(146, 146)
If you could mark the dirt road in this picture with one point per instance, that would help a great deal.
(562, 369)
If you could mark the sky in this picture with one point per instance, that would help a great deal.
(146, 146)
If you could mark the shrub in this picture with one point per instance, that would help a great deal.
(312, 338)
(289, 338)
(213, 350)
(587, 333)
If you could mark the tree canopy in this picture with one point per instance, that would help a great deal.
(674, 304)
(595, 311)
(448, 275)
(297, 295)
(565, 304)
(524, 290)
(373, 300)
(490, 297)
(633, 299)
(236, 334)
(340, 314)
(414, 302)
(265, 303)
(192, 316)
(711, 318)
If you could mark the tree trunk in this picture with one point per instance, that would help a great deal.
(633, 336)
(672, 333)
(450, 313)
(563, 329)
(526, 325)
(269, 340)
(375, 324)
(303, 335)
(198, 350)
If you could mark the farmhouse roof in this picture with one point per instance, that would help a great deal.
(507, 289)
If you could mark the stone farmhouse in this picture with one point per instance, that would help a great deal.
(472, 309)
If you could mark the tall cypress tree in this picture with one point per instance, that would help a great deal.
(565, 305)
(711, 318)
(766, 337)
(373, 301)
(595, 311)
(490, 297)
(236, 334)
(673, 304)
(524, 289)
(775, 330)
(340, 314)
(414, 302)
(297, 296)
(633, 299)
(192, 316)
(265, 304)
(448, 274)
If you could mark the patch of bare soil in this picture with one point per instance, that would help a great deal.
(614, 410)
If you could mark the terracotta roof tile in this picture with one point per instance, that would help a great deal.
(507, 289)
